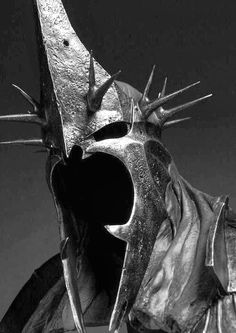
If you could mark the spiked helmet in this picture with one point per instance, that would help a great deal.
(78, 99)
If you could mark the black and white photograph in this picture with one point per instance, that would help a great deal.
(117, 166)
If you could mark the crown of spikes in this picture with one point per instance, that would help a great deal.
(154, 112)
(78, 97)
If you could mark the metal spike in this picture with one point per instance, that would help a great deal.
(132, 116)
(148, 85)
(26, 118)
(30, 99)
(163, 92)
(95, 96)
(29, 142)
(176, 121)
(100, 92)
(169, 113)
(151, 107)
(91, 72)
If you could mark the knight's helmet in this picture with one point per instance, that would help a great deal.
(78, 98)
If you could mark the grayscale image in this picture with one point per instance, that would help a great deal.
(117, 166)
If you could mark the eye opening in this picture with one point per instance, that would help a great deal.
(114, 130)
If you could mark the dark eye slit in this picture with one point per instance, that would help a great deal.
(114, 130)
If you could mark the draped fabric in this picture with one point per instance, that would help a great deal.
(26, 302)
(46, 310)
(189, 269)
(220, 317)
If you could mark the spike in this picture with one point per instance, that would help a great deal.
(176, 121)
(26, 118)
(163, 92)
(95, 96)
(30, 142)
(100, 92)
(132, 116)
(151, 107)
(169, 113)
(30, 99)
(148, 85)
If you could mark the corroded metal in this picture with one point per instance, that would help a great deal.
(171, 264)
(148, 212)
(95, 95)
(68, 64)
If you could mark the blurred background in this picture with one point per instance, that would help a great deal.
(188, 41)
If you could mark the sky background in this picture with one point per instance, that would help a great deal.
(187, 40)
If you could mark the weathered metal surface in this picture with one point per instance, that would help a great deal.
(179, 264)
(150, 178)
(68, 64)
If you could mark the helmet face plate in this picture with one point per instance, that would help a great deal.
(136, 152)
(137, 198)
(89, 122)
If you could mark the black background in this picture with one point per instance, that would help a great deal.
(187, 40)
